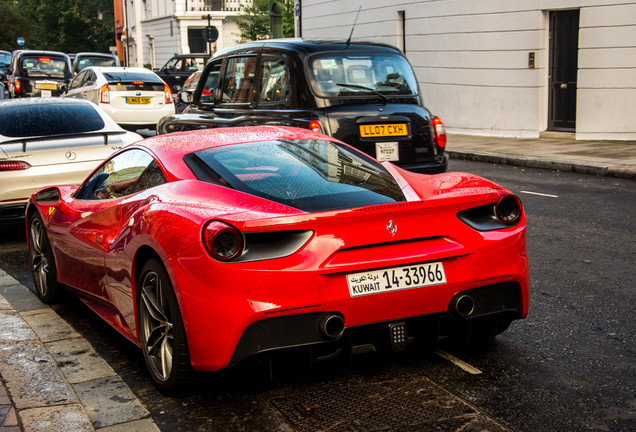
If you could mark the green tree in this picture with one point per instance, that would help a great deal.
(254, 21)
(65, 25)
(12, 27)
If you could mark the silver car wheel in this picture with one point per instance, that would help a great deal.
(156, 326)
(39, 262)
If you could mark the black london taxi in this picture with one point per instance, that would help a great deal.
(38, 73)
(362, 93)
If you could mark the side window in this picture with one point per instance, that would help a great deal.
(211, 83)
(238, 82)
(274, 82)
(77, 81)
(127, 173)
(90, 79)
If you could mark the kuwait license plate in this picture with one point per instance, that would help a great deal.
(387, 151)
(396, 278)
(383, 130)
(138, 100)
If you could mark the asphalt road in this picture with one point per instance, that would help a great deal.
(570, 366)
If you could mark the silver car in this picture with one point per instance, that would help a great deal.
(45, 141)
(136, 98)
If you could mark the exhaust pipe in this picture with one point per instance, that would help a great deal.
(332, 326)
(463, 305)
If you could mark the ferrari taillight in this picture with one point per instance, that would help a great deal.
(222, 241)
(17, 85)
(104, 94)
(439, 132)
(168, 94)
(14, 166)
(508, 209)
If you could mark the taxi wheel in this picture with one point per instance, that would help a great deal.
(161, 331)
(42, 261)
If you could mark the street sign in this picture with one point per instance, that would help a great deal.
(210, 34)
(20, 41)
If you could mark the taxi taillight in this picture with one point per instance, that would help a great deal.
(439, 131)
(315, 126)
(17, 85)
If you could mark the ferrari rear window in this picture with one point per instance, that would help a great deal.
(309, 175)
(43, 119)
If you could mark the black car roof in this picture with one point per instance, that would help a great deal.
(311, 46)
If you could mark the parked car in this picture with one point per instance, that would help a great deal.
(38, 73)
(83, 60)
(46, 141)
(206, 248)
(364, 94)
(136, 98)
(189, 85)
(180, 67)
(5, 67)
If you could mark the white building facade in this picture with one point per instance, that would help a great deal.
(158, 29)
(511, 68)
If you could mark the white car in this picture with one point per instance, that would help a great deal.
(48, 141)
(136, 98)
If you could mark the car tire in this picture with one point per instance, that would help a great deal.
(42, 261)
(161, 330)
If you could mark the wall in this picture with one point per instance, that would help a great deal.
(471, 59)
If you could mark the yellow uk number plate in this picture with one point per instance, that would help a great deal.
(138, 100)
(383, 130)
(45, 86)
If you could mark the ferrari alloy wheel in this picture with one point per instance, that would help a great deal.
(42, 261)
(161, 330)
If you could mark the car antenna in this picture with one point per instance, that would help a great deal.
(353, 26)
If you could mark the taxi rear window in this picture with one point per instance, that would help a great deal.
(43, 66)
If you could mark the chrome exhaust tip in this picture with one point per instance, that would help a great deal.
(463, 306)
(332, 326)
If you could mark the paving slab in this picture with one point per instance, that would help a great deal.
(65, 418)
(32, 376)
(78, 361)
(48, 325)
(109, 401)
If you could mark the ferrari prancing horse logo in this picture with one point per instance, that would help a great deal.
(392, 227)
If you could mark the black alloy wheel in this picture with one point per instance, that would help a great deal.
(161, 331)
(42, 261)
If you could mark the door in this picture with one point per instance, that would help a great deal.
(563, 68)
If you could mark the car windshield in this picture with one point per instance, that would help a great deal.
(352, 74)
(38, 66)
(310, 175)
(43, 119)
(5, 58)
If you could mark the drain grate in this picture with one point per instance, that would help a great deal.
(391, 406)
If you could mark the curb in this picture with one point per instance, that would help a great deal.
(54, 379)
(619, 171)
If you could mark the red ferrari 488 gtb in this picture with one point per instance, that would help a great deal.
(209, 247)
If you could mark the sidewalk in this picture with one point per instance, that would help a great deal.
(603, 158)
(51, 379)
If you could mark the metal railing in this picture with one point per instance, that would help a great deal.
(216, 5)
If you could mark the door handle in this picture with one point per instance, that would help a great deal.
(564, 85)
